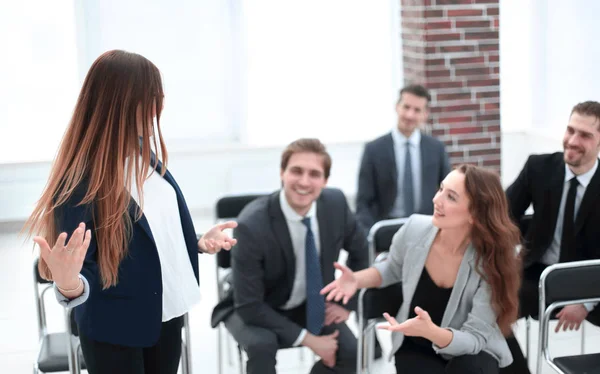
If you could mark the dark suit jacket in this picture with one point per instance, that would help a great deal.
(378, 178)
(263, 261)
(541, 183)
(129, 313)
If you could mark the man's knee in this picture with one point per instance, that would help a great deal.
(262, 345)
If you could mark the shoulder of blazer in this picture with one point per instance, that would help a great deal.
(332, 197)
(417, 227)
(382, 141)
(257, 212)
(432, 142)
(545, 162)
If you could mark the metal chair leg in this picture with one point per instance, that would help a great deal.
(184, 359)
(186, 346)
(241, 359)
(228, 350)
(219, 349)
(583, 337)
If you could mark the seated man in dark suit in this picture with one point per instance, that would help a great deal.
(401, 171)
(287, 245)
(564, 189)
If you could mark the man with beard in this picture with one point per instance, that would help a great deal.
(564, 190)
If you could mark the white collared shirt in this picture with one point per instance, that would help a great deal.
(298, 238)
(400, 143)
(180, 288)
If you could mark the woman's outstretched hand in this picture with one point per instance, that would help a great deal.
(421, 325)
(342, 288)
(215, 239)
(65, 260)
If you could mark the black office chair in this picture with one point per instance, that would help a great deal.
(57, 352)
(370, 305)
(524, 224)
(227, 208)
(561, 285)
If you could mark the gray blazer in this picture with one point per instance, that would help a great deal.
(469, 313)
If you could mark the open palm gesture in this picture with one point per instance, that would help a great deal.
(342, 288)
(65, 260)
(216, 239)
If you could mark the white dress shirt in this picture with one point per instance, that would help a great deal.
(298, 238)
(552, 254)
(400, 143)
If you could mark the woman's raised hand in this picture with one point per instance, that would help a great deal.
(65, 260)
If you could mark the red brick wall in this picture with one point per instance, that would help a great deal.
(452, 48)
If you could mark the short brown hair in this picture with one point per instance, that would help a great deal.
(417, 90)
(307, 145)
(588, 108)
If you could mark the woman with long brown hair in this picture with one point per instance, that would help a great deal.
(460, 279)
(130, 263)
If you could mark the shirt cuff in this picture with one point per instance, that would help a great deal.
(72, 303)
(590, 306)
(300, 338)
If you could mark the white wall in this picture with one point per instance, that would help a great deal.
(327, 69)
(547, 62)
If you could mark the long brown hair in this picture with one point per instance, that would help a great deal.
(111, 123)
(495, 238)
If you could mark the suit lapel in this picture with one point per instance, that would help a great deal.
(427, 172)
(553, 196)
(326, 238)
(464, 272)
(591, 194)
(282, 234)
(390, 160)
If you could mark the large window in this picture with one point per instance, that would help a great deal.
(327, 69)
(251, 72)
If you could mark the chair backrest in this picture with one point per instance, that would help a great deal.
(229, 207)
(570, 281)
(40, 287)
(381, 235)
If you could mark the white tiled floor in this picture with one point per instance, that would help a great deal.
(18, 329)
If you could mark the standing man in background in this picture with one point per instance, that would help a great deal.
(400, 172)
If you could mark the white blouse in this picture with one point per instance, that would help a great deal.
(180, 288)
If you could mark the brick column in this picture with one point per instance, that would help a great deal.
(452, 48)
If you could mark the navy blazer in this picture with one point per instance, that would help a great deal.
(378, 178)
(130, 313)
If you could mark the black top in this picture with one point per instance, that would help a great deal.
(432, 299)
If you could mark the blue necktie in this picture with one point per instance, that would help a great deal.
(315, 302)
(407, 191)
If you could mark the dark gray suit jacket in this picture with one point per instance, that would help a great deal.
(263, 261)
(378, 178)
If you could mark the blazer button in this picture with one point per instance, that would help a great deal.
(156, 293)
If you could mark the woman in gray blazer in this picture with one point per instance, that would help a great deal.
(460, 279)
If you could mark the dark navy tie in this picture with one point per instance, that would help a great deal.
(315, 302)
(408, 193)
